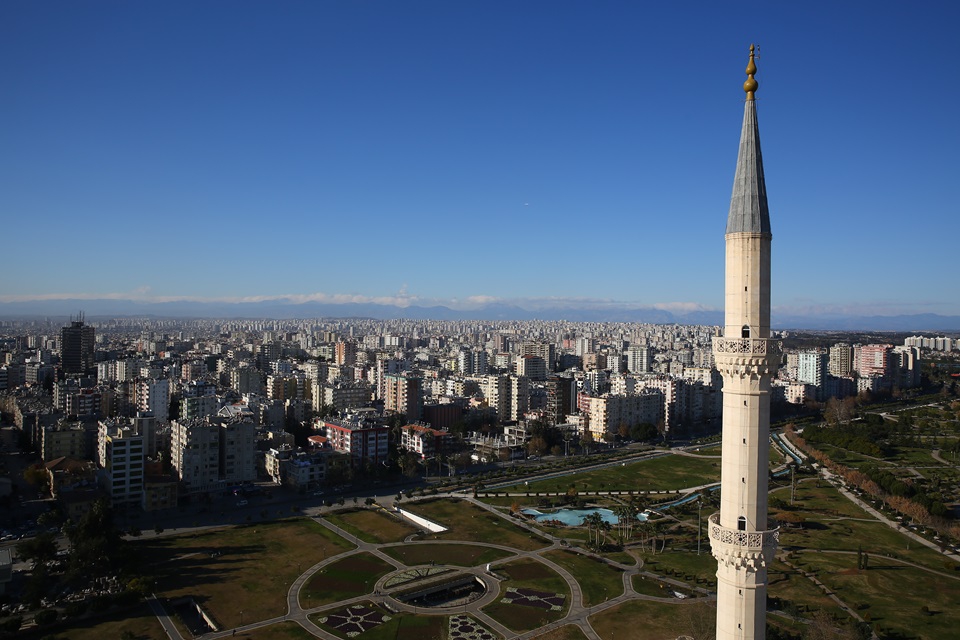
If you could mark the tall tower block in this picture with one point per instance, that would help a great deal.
(747, 358)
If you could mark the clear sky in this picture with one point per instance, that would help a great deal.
(451, 152)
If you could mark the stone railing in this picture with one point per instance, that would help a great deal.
(746, 540)
(747, 346)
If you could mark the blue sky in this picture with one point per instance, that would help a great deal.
(456, 152)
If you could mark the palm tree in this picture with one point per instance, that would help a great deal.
(625, 518)
(594, 521)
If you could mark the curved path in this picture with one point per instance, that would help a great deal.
(577, 613)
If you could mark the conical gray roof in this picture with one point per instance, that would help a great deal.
(748, 205)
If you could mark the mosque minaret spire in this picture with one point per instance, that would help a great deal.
(740, 537)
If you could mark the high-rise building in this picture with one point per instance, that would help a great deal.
(639, 359)
(740, 537)
(77, 343)
(812, 368)
(121, 454)
(531, 366)
(404, 395)
(872, 359)
(841, 360)
(154, 396)
(346, 352)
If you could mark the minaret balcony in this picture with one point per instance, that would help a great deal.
(747, 356)
(746, 549)
(747, 346)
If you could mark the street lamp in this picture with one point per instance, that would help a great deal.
(699, 527)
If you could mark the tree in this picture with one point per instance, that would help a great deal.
(586, 440)
(644, 432)
(594, 523)
(37, 475)
(537, 446)
(96, 545)
(408, 462)
(40, 549)
(700, 621)
(840, 411)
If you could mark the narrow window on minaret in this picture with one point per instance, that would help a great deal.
(741, 523)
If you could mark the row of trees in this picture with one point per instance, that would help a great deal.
(911, 508)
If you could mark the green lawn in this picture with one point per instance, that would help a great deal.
(139, 621)
(400, 626)
(467, 521)
(344, 579)
(893, 593)
(685, 566)
(598, 580)
(655, 620)
(569, 632)
(279, 631)
(459, 555)
(666, 473)
(797, 593)
(255, 568)
(372, 525)
(647, 586)
(530, 574)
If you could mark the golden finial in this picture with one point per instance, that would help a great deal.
(750, 86)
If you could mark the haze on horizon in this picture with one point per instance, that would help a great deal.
(463, 154)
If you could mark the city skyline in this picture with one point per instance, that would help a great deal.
(430, 154)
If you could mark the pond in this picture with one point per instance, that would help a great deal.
(575, 517)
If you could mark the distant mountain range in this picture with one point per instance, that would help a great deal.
(611, 313)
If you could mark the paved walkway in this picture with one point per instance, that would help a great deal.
(577, 613)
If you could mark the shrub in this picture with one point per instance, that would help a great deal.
(45, 617)
(12, 625)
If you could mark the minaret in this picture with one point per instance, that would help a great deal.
(740, 537)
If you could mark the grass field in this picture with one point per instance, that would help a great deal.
(598, 580)
(893, 594)
(344, 579)
(371, 525)
(400, 626)
(569, 632)
(255, 568)
(470, 522)
(139, 621)
(458, 555)
(279, 631)
(530, 574)
(666, 473)
(685, 566)
(654, 620)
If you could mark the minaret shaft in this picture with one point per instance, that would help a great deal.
(747, 299)
(740, 537)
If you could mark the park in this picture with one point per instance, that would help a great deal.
(491, 570)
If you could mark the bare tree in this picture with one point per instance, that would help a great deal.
(699, 621)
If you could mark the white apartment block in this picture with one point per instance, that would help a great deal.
(154, 396)
(208, 456)
(195, 454)
(840, 361)
(121, 452)
(608, 412)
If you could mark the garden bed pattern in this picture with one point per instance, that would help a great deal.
(466, 628)
(532, 598)
(355, 620)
